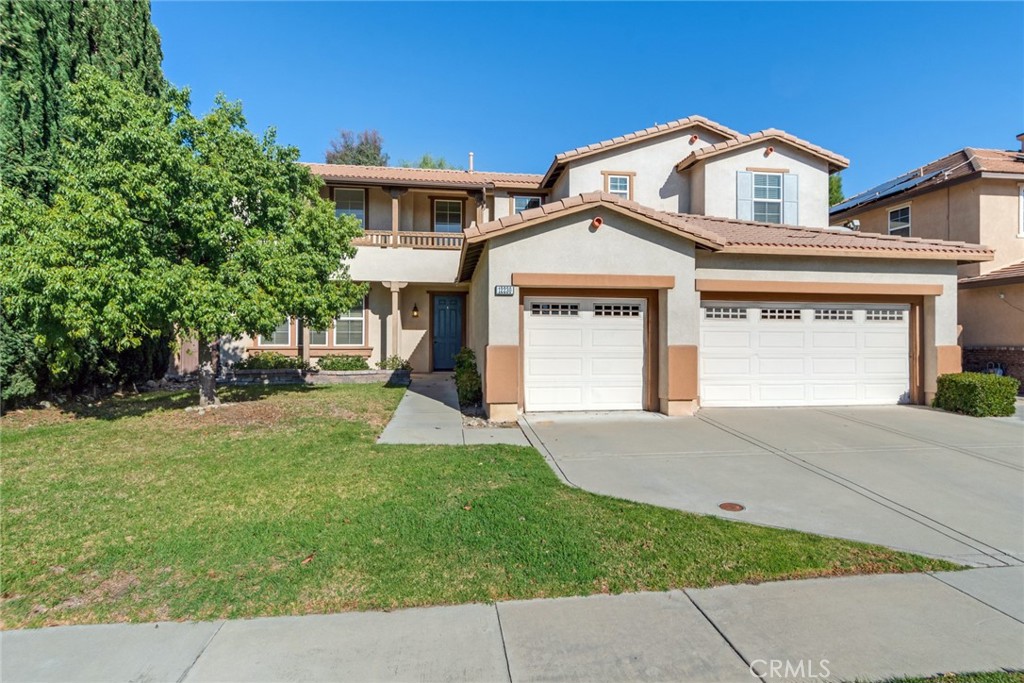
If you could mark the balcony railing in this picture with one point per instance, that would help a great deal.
(405, 238)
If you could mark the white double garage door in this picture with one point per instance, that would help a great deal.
(589, 354)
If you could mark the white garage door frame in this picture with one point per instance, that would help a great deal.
(584, 353)
(803, 354)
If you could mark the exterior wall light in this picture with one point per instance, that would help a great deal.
(415, 311)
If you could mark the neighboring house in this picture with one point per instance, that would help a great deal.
(972, 195)
(678, 266)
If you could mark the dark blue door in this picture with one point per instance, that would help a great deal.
(447, 331)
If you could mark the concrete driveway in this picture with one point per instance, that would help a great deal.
(909, 478)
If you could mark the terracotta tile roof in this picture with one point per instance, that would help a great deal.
(629, 138)
(836, 161)
(425, 176)
(1007, 275)
(996, 160)
(749, 237)
(729, 236)
(952, 167)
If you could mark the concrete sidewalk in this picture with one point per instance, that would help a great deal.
(868, 628)
(429, 414)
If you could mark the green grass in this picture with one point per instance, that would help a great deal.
(988, 677)
(282, 504)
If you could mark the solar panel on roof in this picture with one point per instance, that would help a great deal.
(891, 187)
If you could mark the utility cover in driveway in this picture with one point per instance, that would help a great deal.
(765, 354)
(583, 354)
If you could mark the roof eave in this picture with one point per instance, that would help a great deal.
(960, 257)
(993, 282)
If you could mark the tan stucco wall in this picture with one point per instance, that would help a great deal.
(949, 213)
(988, 320)
(476, 325)
(1000, 223)
(656, 184)
(720, 181)
(405, 264)
(622, 246)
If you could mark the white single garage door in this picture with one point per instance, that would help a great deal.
(583, 354)
(764, 354)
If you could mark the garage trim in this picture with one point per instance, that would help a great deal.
(593, 281)
(761, 287)
(651, 401)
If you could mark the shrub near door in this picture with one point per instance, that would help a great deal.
(467, 378)
(976, 393)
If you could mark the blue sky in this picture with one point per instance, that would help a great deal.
(891, 86)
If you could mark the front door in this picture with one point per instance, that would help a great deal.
(447, 331)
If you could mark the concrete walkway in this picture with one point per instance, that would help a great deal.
(866, 628)
(429, 414)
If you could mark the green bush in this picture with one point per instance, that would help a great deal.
(467, 378)
(976, 393)
(394, 363)
(271, 360)
(331, 362)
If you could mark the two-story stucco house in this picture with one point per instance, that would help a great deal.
(974, 195)
(678, 266)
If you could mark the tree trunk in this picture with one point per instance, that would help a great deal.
(209, 368)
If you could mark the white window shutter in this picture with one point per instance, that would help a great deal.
(791, 199)
(744, 195)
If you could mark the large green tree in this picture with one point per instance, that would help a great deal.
(170, 222)
(362, 149)
(44, 44)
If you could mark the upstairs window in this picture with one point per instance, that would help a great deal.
(899, 222)
(619, 184)
(768, 197)
(447, 215)
(350, 202)
(348, 328)
(521, 204)
(282, 335)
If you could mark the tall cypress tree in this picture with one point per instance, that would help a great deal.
(43, 46)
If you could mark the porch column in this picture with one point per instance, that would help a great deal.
(395, 193)
(305, 341)
(479, 198)
(395, 347)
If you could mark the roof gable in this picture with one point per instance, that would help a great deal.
(836, 162)
(644, 135)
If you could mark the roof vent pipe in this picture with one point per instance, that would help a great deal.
(471, 161)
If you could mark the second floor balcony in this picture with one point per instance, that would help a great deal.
(414, 239)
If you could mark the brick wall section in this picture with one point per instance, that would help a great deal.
(1010, 358)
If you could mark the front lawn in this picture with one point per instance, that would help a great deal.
(136, 510)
